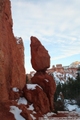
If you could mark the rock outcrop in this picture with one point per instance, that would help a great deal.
(12, 72)
(38, 55)
(48, 85)
(35, 95)
(40, 60)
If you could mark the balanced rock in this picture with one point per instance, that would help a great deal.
(38, 55)
(48, 85)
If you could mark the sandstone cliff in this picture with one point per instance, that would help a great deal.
(12, 72)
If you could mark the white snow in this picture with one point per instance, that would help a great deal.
(15, 89)
(46, 80)
(32, 117)
(22, 100)
(18, 40)
(31, 107)
(69, 76)
(46, 116)
(78, 110)
(57, 80)
(50, 114)
(62, 78)
(32, 86)
(16, 111)
(71, 107)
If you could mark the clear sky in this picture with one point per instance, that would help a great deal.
(56, 23)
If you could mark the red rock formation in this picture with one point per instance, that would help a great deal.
(47, 83)
(38, 97)
(4, 112)
(40, 60)
(38, 55)
(25, 113)
(12, 72)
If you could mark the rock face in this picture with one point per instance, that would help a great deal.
(12, 72)
(47, 83)
(4, 112)
(38, 55)
(40, 60)
(35, 95)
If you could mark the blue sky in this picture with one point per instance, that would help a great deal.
(56, 23)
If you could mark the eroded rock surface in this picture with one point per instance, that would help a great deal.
(40, 58)
(35, 95)
(12, 72)
(48, 85)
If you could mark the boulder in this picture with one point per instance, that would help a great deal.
(35, 95)
(38, 55)
(48, 85)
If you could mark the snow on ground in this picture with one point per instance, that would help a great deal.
(78, 110)
(15, 89)
(56, 77)
(62, 78)
(69, 76)
(16, 111)
(71, 105)
(32, 86)
(71, 108)
(49, 114)
(22, 100)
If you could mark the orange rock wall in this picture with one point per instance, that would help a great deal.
(12, 72)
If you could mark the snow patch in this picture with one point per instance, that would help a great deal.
(22, 101)
(15, 89)
(62, 78)
(31, 107)
(16, 111)
(72, 107)
(32, 86)
(32, 117)
(46, 116)
(78, 110)
(50, 114)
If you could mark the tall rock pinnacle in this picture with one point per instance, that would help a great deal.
(12, 72)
